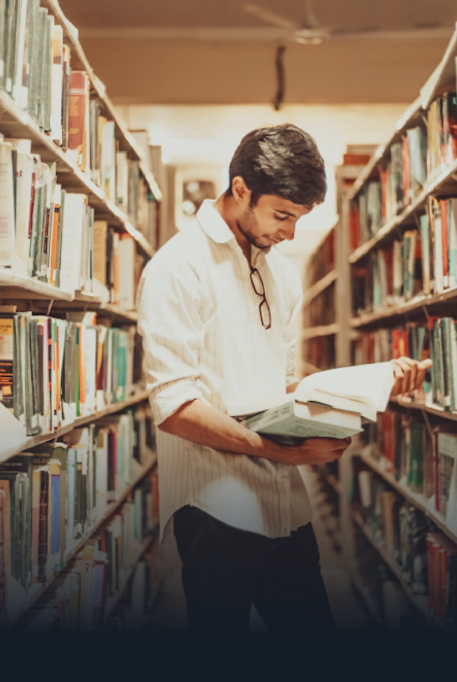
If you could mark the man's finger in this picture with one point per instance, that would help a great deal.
(422, 370)
(413, 377)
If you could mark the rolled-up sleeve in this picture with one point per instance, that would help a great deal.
(172, 332)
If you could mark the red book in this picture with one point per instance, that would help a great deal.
(406, 171)
(384, 176)
(389, 447)
(395, 344)
(354, 227)
(78, 105)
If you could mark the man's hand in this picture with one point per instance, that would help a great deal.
(409, 375)
(312, 451)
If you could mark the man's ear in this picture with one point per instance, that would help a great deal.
(241, 193)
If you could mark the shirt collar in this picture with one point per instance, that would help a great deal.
(213, 224)
(215, 227)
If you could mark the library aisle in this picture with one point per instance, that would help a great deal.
(169, 615)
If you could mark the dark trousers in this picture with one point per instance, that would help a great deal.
(226, 569)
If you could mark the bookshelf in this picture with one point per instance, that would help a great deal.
(324, 342)
(88, 401)
(39, 590)
(396, 232)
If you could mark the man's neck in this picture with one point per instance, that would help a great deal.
(228, 209)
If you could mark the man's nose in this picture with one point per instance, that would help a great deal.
(288, 232)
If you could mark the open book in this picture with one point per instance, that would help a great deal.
(328, 404)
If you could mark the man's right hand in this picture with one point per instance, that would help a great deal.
(203, 424)
(312, 451)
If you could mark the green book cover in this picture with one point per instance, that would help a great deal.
(305, 421)
(10, 39)
(425, 250)
(36, 386)
(33, 58)
(437, 363)
(46, 83)
(18, 395)
(18, 472)
(453, 344)
(76, 370)
(448, 384)
(416, 462)
(42, 56)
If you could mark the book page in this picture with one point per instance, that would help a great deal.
(368, 385)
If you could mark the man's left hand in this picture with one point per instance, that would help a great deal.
(409, 375)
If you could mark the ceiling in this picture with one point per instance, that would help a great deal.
(216, 52)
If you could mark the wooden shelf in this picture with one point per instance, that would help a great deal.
(38, 590)
(420, 602)
(412, 112)
(79, 61)
(32, 441)
(415, 305)
(322, 330)
(416, 499)
(436, 410)
(15, 287)
(17, 124)
(319, 287)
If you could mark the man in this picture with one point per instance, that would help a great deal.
(216, 309)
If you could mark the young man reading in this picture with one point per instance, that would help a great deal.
(216, 309)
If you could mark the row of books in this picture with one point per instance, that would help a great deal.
(36, 72)
(421, 460)
(47, 233)
(436, 340)
(94, 149)
(81, 598)
(441, 134)
(420, 155)
(319, 353)
(424, 261)
(51, 234)
(55, 370)
(426, 558)
(381, 345)
(401, 179)
(395, 523)
(53, 496)
(321, 310)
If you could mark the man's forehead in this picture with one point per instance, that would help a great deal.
(283, 205)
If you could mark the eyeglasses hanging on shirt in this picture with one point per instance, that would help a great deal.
(264, 308)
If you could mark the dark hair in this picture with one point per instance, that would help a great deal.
(282, 161)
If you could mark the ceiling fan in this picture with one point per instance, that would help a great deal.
(310, 32)
(274, 28)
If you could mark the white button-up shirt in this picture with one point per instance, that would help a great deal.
(203, 339)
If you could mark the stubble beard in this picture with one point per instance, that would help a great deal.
(245, 225)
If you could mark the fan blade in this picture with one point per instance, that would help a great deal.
(394, 34)
(270, 17)
(310, 18)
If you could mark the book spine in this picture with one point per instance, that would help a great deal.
(43, 527)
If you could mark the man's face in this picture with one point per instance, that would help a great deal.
(271, 221)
